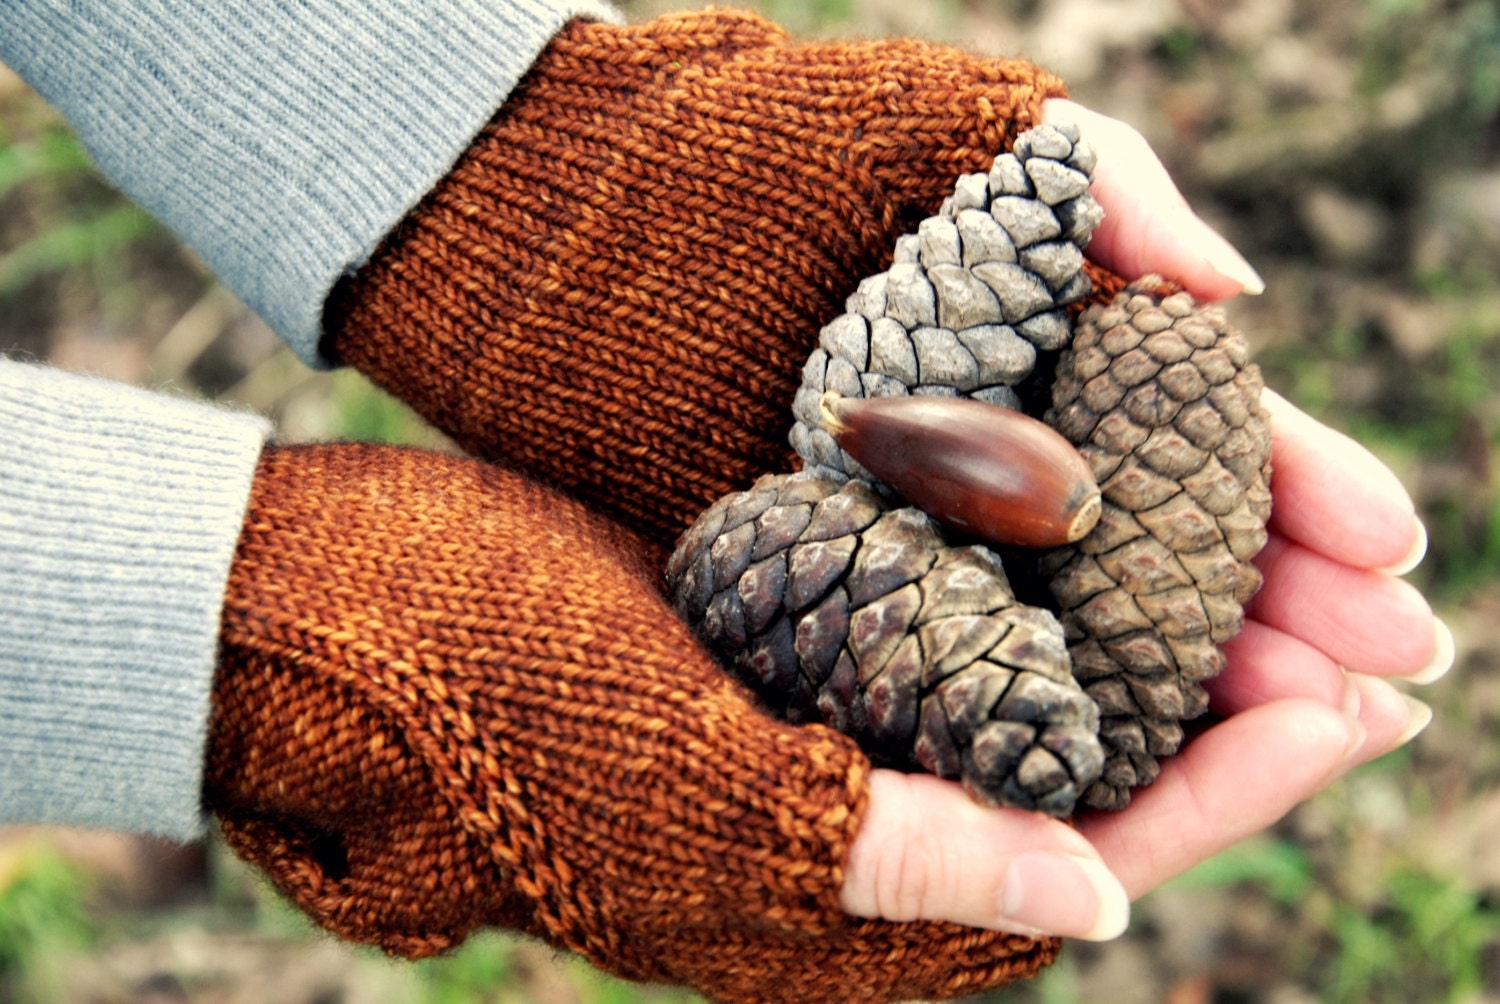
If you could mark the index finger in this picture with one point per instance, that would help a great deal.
(1148, 225)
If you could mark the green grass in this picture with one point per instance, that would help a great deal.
(52, 154)
(1425, 938)
(93, 226)
(44, 915)
(91, 243)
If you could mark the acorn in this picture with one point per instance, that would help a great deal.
(992, 472)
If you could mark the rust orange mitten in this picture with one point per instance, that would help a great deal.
(449, 699)
(617, 285)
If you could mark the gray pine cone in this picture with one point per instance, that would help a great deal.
(970, 297)
(837, 607)
(1161, 399)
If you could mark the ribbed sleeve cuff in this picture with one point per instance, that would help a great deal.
(119, 515)
(280, 141)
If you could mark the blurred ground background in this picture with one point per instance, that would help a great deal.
(1351, 150)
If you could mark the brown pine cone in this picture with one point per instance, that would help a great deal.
(838, 607)
(1162, 400)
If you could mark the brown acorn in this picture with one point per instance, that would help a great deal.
(989, 471)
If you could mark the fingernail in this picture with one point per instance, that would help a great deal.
(1352, 701)
(1049, 893)
(1413, 557)
(1225, 260)
(1444, 654)
(1421, 717)
(1357, 736)
(1351, 706)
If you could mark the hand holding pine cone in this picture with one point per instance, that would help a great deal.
(452, 699)
(613, 289)
(1164, 404)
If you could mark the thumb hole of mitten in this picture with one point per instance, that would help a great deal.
(927, 851)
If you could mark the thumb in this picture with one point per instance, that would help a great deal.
(1148, 226)
(926, 851)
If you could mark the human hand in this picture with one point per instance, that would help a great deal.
(449, 698)
(622, 308)
(1305, 696)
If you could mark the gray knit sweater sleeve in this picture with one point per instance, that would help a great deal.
(280, 141)
(119, 514)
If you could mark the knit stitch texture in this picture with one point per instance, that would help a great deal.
(119, 511)
(450, 698)
(617, 286)
(280, 141)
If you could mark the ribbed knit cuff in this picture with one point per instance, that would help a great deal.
(280, 141)
(119, 514)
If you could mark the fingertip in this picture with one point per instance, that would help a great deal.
(1221, 257)
(1421, 717)
(1444, 655)
(1414, 555)
(1389, 719)
(1113, 917)
(1064, 895)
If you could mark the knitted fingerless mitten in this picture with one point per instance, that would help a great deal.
(449, 698)
(616, 287)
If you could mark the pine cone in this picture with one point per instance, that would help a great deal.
(1160, 397)
(970, 298)
(837, 607)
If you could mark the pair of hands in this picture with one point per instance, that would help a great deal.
(1307, 693)
(615, 300)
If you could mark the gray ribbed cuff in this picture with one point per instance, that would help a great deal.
(119, 515)
(281, 141)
